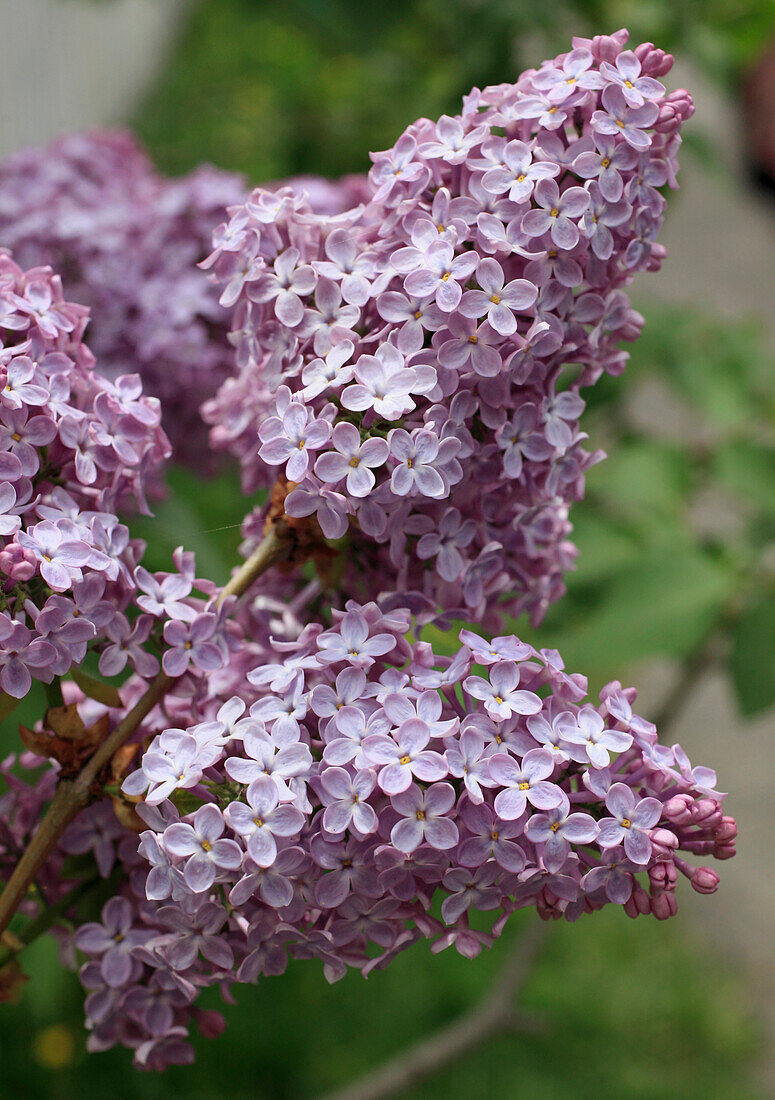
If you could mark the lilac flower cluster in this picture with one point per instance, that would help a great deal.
(74, 447)
(386, 350)
(363, 779)
(126, 242)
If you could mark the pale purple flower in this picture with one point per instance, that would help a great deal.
(320, 375)
(271, 884)
(22, 435)
(632, 819)
(162, 773)
(614, 875)
(263, 759)
(469, 888)
(626, 74)
(518, 172)
(404, 756)
(560, 413)
(620, 118)
(352, 642)
(354, 460)
(518, 438)
(126, 644)
(113, 941)
(263, 819)
(507, 648)
(330, 508)
(190, 644)
(453, 144)
(491, 839)
(195, 933)
(424, 818)
(291, 439)
(500, 695)
(468, 759)
(587, 729)
(606, 165)
(283, 712)
(472, 345)
(347, 265)
(344, 797)
(383, 384)
(576, 72)
(9, 522)
(350, 871)
(558, 213)
(395, 166)
(59, 557)
(557, 830)
(399, 708)
(287, 285)
(20, 386)
(445, 545)
(200, 844)
(164, 598)
(598, 220)
(524, 783)
(498, 302)
(20, 652)
(441, 276)
(416, 456)
(415, 315)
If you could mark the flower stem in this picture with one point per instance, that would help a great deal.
(73, 794)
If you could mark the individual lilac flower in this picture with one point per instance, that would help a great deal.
(201, 846)
(606, 165)
(424, 818)
(453, 144)
(263, 819)
(576, 72)
(399, 708)
(163, 879)
(542, 111)
(469, 888)
(471, 345)
(467, 759)
(557, 830)
(20, 387)
(272, 885)
(383, 384)
(518, 438)
(164, 598)
(126, 644)
(547, 731)
(557, 213)
(403, 756)
(598, 219)
(445, 544)
(347, 265)
(518, 173)
(330, 508)
(415, 315)
(165, 772)
(614, 875)
(491, 838)
(587, 729)
(354, 460)
(283, 712)
(113, 941)
(291, 439)
(500, 695)
(195, 933)
(96, 830)
(499, 649)
(498, 302)
(320, 375)
(351, 870)
(560, 412)
(416, 456)
(59, 558)
(626, 74)
(352, 642)
(52, 318)
(441, 276)
(524, 783)
(190, 645)
(395, 166)
(620, 118)
(639, 249)
(288, 763)
(632, 820)
(349, 688)
(9, 521)
(286, 285)
(20, 652)
(22, 435)
(344, 797)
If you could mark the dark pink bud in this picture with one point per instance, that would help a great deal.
(674, 110)
(705, 809)
(653, 62)
(664, 843)
(210, 1022)
(724, 851)
(725, 831)
(607, 47)
(678, 809)
(705, 881)
(17, 564)
(663, 876)
(664, 905)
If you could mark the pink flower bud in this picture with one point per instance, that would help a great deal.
(678, 809)
(607, 47)
(664, 843)
(663, 876)
(210, 1022)
(664, 905)
(676, 109)
(653, 62)
(705, 881)
(725, 831)
(17, 564)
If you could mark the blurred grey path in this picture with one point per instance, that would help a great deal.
(71, 64)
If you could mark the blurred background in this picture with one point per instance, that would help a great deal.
(675, 589)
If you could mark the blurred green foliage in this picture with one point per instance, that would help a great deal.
(313, 85)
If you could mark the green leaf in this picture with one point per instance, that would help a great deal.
(748, 469)
(643, 482)
(752, 659)
(96, 689)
